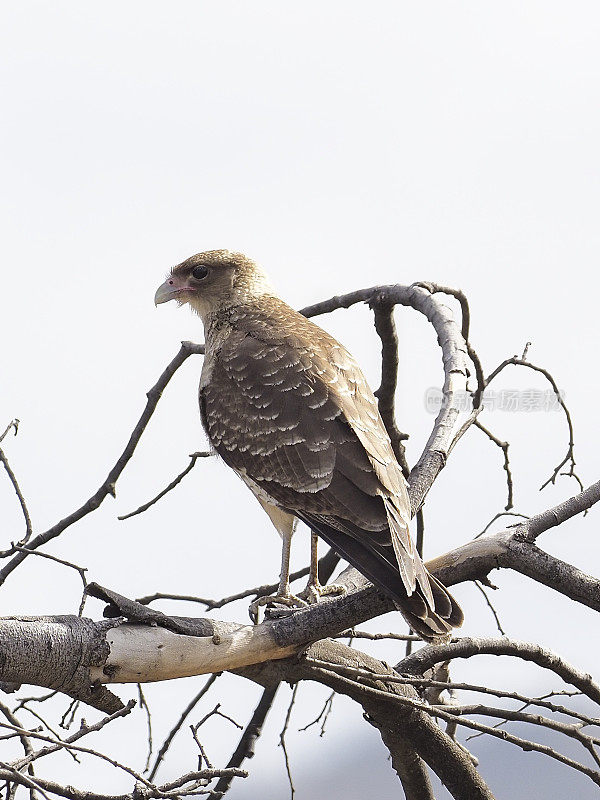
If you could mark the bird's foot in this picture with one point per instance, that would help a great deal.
(315, 591)
(289, 600)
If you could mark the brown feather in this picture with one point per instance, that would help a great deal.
(289, 407)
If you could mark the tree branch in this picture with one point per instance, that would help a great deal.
(108, 486)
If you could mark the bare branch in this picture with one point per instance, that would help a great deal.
(12, 478)
(144, 705)
(323, 715)
(454, 359)
(501, 630)
(386, 394)
(435, 288)
(376, 637)
(446, 714)
(108, 486)
(140, 792)
(569, 457)
(13, 425)
(404, 731)
(84, 730)
(498, 516)
(425, 658)
(282, 743)
(326, 565)
(527, 701)
(559, 514)
(250, 736)
(65, 744)
(194, 457)
(504, 447)
(179, 724)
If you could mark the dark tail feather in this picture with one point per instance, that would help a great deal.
(377, 565)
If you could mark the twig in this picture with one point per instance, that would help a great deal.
(215, 712)
(25, 741)
(247, 743)
(504, 446)
(83, 731)
(69, 715)
(173, 789)
(12, 425)
(144, 705)
(179, 724)
(428, 656)
(282, 740)
(257, 591)
(40, 554)
(571, 730)
(456, 686)
(13, 479)
(194, 730)
(376, 637)
(27, 746)
(569, 457)
(48, 727)
(491, 607)
(194, 457)
(40, 699)
(386, 393)
(218, 713)
(447, 715)
(323, 715)
(18, 777)
(497, 516)
(108, 486)
(67, 744)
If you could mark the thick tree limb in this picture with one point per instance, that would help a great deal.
(397, 724)
(559, 514)
(167, 647)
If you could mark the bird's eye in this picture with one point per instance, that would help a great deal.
(200, 272)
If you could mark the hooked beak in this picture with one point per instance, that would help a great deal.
(170, 290)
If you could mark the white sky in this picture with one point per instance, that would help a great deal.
(342, 145)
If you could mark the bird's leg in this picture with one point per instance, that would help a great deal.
(283, 590)
(314, 591)
(285, 524)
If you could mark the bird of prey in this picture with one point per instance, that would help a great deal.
(289, 410)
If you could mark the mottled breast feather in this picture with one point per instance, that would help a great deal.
(288, 406)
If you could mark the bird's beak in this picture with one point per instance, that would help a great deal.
(171, 289)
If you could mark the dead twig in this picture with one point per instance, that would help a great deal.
(179, 724)
(501, 630)
(108, 485)
(504, 446)
(282, 741)
(570, 455)
(14, 425)
(194, 457)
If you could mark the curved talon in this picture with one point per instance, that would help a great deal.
(289, 600)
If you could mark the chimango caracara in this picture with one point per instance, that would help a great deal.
(288, 408)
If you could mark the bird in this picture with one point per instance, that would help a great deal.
(287, 407)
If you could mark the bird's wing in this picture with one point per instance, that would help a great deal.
(288, 407)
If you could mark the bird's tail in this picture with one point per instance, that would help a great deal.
(434, 624)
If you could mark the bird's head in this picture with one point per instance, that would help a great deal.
(212, 281)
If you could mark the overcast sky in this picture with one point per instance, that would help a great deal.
(342, 145)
